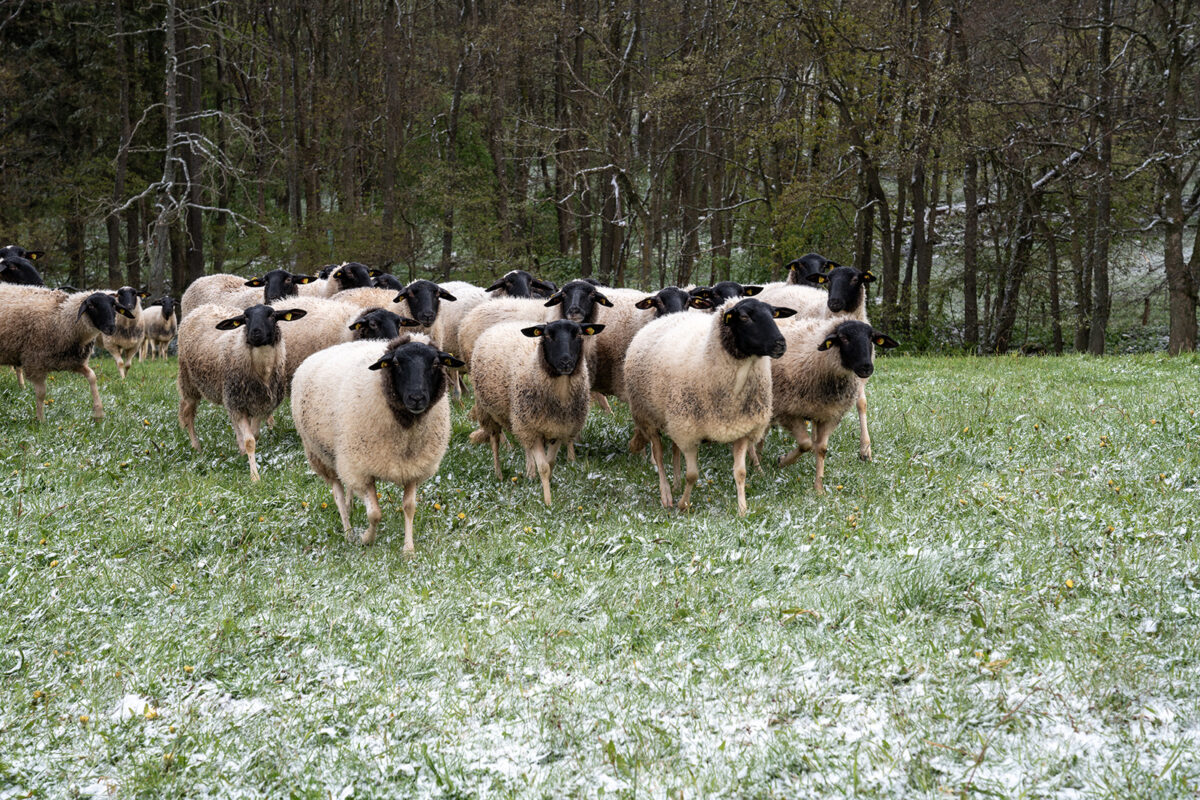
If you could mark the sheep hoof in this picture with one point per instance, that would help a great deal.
(864, 455)
(409, 553)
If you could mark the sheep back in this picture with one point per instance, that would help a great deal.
(506, 309)
(209, 289)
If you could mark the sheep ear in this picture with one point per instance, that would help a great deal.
(750, 291)
(231, 323)
(290, 314)
(442, 293)
(817, 278)
(374, 273)
(303, 279)
(357, 325)
(592, 330)
(534, 331)
(538, 283)
(124, 312)
(34, 255)
(700, 302)
(782, 312)
(381, 363)
(402, 296)
(645, 304)
(407, 322)
(829, 265)
(449, 360)
(497, 285)
(828, 343)
(143, 294)
(255, 282)
(883, 340)
(601, 299)
(555, 299)
(867, 276)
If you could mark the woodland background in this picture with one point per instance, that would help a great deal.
(1003, 167)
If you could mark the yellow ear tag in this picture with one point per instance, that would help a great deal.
(828, 344)
(727, 317)
(589, 330)
(879, 341)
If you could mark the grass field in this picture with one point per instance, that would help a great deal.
(1005, 603)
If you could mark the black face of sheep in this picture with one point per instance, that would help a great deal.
(541, 288)
(127, 297)
(718, 293)
(519, 283)
(856, 342)
(353, 276)
(668, 300)
(562, 344)
(20, 252)
(260, 322)
(379, 323)
(845, 287)
(101, 310)
(749, 329)
(168, 305)
(324, 272)
(278, 284)
(579, 300)
(424, 298)
(17, 269)
(415, 375)
(386, 281)
(807, 265)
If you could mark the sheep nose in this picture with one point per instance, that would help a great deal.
(865, 371)
(836, 304)
(426, 319)
(778, 347)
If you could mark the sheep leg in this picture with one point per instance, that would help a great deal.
(244, 428)
(571, 452)
(39, 394)
(693, 474)
(804, 443)
(601, 401)
(494, 438)
(664, 486)
(97, 408)
(20, 376)
(187, 418)
(864, 438)
(755, 452)
(344, 504)
(374, 514)
(637, 443)
(410, 511)
(821, 433)
(543, 467)
(530, 461)
(675, 465)
(739, 471)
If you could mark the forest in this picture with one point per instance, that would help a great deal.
(994, 164)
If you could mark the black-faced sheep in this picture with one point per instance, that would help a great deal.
(15, 268)
(378, 323)
(161, 326)
(519, 283)
(532, 380)
(126, 340)
(242, 370)
(44, 330)
(393, 421)
(818, 380)
(700, 377)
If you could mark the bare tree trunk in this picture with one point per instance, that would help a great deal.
(165, 207)
(219, 225)
(460, 79)
(1102, 232)
(193, 107)
(113, 222)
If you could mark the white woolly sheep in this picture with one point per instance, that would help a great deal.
(244, 371)
(701, 377)
(209, 289)
(161, 326)
(532, 380)
(507, 309)
(45, 330)
(392, 421)
(818, 380)
(327, 322)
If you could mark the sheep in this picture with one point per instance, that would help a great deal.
(350, 275)
(818, 380)
(387, 281)
(505, 309)
(18, 269)
(533, 380)
(392, 421)
(209, 289)
(329, 322)
(161, 326)
(366, 297)
(244, 371)
(377, 323)
(468, 297)
(45, 330)
(845, 299)
(20, 252)
(720, 292)
(700, 377)
(126, 340)
(800, 269)
(519, 283)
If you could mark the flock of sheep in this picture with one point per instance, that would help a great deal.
(719, 363)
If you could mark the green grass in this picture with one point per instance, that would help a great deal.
(1006, 602)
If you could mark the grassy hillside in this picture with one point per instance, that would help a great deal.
(1005, 602)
